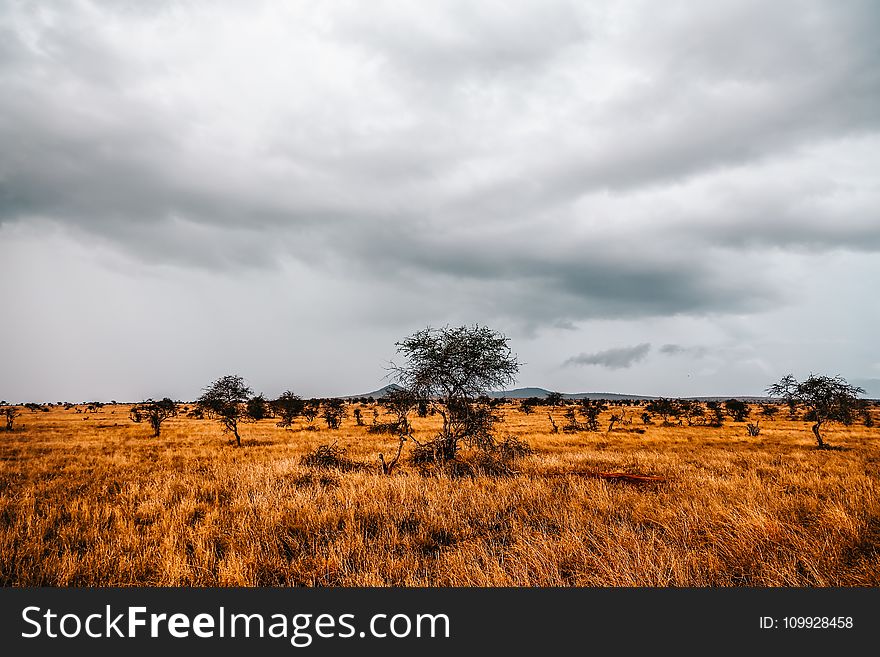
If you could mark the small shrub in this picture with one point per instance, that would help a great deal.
(512, 448)
(385, 427)
(572, 425)
(330, 456)
(426, 453)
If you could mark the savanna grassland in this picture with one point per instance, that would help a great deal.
(91, 499)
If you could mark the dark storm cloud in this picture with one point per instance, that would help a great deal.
(541, 161)
(615, 359)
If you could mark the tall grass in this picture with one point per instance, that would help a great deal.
(93, 500)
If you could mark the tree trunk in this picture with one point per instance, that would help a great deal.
(818, 435)
(237, 437)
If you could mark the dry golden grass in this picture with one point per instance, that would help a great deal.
(93, 500)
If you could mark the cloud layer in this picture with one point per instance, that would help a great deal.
(578, 152)
(536, 165)
(615, 358)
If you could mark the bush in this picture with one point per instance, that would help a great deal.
(737, 409)
(386, 427)
(257, 408)
(288, 406)
(330, 456)
(512, 448)
(428, 452)
(492, 461)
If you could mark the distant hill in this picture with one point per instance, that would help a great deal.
(377, 394)
(540, 393)
(523, 393)
(518, 393)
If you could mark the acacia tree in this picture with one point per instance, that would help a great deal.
(288, 406)
(554, 399)
(451, 367)
(334, 412)
(310, 410)
(592, 408)
(225, 399)
(692, 411)
(401, 402)
(257, 408)
(714, 407)
(737, 409)
(664, 408)
(154, 412)
(827, 399)
(10, 412)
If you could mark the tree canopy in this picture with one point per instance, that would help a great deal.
(452, 367)
(154, 412)
(225, 398)
(826, 398)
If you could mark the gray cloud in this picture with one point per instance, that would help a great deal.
(679, 350)
(459, 144)
(615, 358)
(540, 165)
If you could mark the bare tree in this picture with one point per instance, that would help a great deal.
(154, 412)
(452, 367)
(225, 399)
(827, 399)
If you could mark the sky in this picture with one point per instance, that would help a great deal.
(675, 198)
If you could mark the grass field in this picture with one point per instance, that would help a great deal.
(91, 499)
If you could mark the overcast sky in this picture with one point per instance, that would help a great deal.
(649, 198)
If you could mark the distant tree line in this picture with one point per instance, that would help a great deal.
(450, 371)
